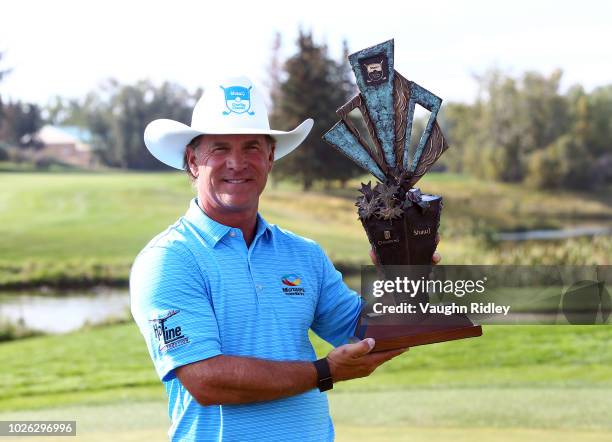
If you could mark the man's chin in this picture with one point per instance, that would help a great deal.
(238, 204)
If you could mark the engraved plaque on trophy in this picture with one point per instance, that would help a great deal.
(401, 222)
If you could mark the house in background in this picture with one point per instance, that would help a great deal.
(67, 144)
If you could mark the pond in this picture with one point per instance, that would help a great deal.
(571, 232)
(64, 312)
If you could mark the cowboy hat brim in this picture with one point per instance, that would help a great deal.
(167, 139)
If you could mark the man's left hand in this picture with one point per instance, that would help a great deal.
(436, 258)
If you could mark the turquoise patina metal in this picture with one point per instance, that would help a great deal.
(387, 103)
(378, 97)
(432, 103)
(344, 140)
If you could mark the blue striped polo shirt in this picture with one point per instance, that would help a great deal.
(197, 291)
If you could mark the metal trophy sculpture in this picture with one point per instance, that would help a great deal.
(400, 221)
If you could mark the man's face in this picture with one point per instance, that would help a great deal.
(231, 171)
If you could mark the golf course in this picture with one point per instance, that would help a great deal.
(70, 231)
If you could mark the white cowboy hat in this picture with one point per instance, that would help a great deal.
(232, 106)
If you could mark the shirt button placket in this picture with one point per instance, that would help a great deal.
(258, 287)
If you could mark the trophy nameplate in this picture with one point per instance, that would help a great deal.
(401, 223)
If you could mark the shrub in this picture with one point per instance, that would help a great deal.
(4, 155)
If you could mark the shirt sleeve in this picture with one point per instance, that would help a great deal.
(171, 305)
(338, 307)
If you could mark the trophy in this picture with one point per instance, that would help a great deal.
(401, 222)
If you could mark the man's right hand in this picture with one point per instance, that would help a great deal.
(353, 361)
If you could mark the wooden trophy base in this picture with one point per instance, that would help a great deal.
(429, 329)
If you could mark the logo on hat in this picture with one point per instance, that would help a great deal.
(237, 100)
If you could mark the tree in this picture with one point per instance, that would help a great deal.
(2, 74)
(275, 70)
(458, 123)
(543, 108)
(117, 115)
(502, 128)
(20, 122)
(315, 86)
(66, 112)
(525, 129)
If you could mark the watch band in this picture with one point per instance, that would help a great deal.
(324, 377)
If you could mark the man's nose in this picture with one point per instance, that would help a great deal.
(236, 159)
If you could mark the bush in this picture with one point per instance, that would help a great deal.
(563, 164)
(10, 331)
(19, 156)
(48, 163)
(546, 168)
(4, 155)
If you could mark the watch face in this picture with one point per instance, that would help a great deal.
(325, 381)
(326, 384)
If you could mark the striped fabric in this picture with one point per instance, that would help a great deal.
(197, 291)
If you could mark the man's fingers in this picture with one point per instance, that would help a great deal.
(436, 258)
(352, 361)
(390, 354)
(373, 257)
(360, 348)
(381, 357)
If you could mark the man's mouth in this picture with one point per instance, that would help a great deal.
(237, 181)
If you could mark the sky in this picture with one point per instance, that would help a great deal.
(69, 48)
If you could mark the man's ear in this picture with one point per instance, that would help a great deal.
(271, 158)
(191, 162)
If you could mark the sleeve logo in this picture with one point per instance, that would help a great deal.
(169, 337)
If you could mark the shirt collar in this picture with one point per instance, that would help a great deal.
(211, 230)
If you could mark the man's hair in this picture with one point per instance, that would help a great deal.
(192, 145)
(195, 143)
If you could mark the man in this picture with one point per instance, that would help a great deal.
(225, 300)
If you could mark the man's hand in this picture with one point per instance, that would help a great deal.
(353, 361)
(435, 259)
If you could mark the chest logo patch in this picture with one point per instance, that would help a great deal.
(291, 285)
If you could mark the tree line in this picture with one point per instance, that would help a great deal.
(525, 130)
(517, 130)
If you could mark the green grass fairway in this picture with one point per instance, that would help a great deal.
(109, 364)
(515, 383)
(82, 229)
(421, 415)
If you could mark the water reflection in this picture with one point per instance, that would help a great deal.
(61, 313)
